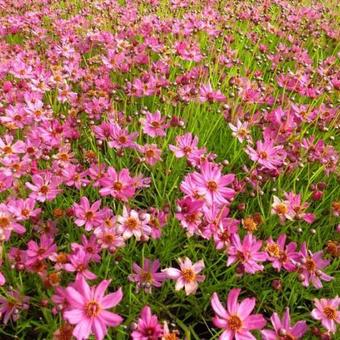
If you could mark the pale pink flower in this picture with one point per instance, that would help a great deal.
(187, 276)
(154, 124)
(327, 312)
(87, 215)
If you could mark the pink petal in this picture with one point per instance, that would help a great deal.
(217, 307)
(112, 299)
(232, 303)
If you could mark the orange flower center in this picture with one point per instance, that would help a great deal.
(330, 313)
(188, 275)
(234, 323)
(310, 265)
(273, 249)
(44, 189)
(131, 223)
(263, 155)
(92, 309)
(117, 186)
(4, 222)
(89, 215)
(281, 209)
(212, 185)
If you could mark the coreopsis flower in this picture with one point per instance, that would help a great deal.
(11, 305)
(296, 209)
(213, 185)
(151, 153)
(44, 187)
(38, 252)
(187, 276)
(131, 223)
(148, 326)
(186, 145)
(88, 309)
(281, 208)
(282, 255)
(119, 185)
(327, 311)
(148, 275)
(154, 125)
(109, 238)
(311, 265)
(79, 262)
(87, 215)
(207, 94)
(236, 320)
(283, 329)
(247, 253)
(8, 223)
(241, 131)
(267, 154)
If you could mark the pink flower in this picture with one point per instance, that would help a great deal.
(241, 131)
(86, 215)
(109, 238)
(88, 309)
(131, 224)
(212, 185)
(266, 154)
(8, 223)
(79, 264)
(247, 253)
(236, 320)
(44, 187)
(311, 265)
(151, 153)
(281, 208)
(46, 249)
(119, 185)
(296, 209)
(283, 329)
(327, 312)
(11, 305)
(280, 255)
(207, 94)
(187, 276)
(148, 326)
(154, 124)
(185, 145)
(147, 276)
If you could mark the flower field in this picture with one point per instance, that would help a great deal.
(169, 169)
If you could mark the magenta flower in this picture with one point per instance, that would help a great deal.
(109, 238)
(154, 124)
(266, 154)
(311, 265)
(147, 276)
(44, 187)
(11, 305)
(148, 326)
(88, 215)
(296, 209)
(187, 276)
(207, 94)
(212, 185)
(88, 306)
(247, 253)
(327, 312)
(283, 328)
(151, 153)
(119, 185)
(79, 262)
(38, 252)
(185, 145)
(280, 255)
(236, 321)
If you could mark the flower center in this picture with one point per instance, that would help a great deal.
(310, 265)
(146, 276)
(149, 153)
(187, 149)
(4, 222)
(122, 139)
(212, 185)
(44, 189)
(89, 215)
(155, 124)
(234, 323)
(263, 155)
(131, 223)
(7, 149)
(330, 313)
(273, 249)
(188, 275)
(92, 309)
(281, 209)
(117, 186)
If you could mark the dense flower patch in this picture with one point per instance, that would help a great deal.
(169, 169)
